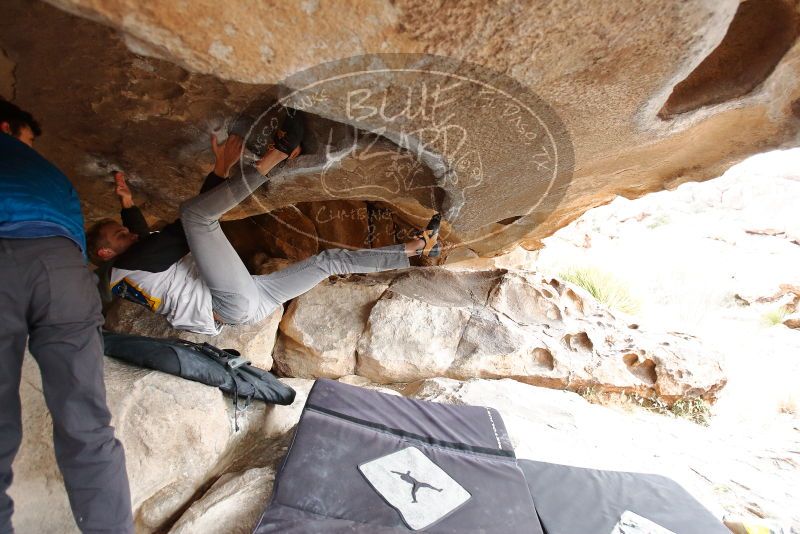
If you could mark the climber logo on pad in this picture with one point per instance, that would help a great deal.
(416, 134)
(415, 486)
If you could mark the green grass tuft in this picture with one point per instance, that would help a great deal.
(603, 287)
(659, 220)
(693, 409)
(775, 317)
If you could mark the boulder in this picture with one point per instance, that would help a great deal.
(406, 340)
(254, 341)
(263, 264)
(233, 505)
(487, 324)
(340, 223)
(383, 231)
(526, 304)
(329, 319)
(288, 233)
(679, 95)
(178, 437)
(792, 320)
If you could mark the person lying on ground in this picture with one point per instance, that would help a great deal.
(191, 274)
(48, 302)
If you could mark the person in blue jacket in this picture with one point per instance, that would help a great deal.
(48, 299)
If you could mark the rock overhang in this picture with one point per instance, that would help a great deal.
(605, 71)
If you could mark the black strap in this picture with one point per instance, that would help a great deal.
(221, 357)
(235, 405)
(250, 380)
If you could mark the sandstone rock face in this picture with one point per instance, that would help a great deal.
(716, 259)
(233, 505)
(792, 320)
(267, 265)
(178, 436)
(166, 468)
(253, 341)
(678, 94)
(487, 324)
(330, 319)
(340, 224)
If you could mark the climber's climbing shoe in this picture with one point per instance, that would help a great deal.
(289, 136)
(430, 235)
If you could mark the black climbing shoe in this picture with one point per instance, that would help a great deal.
(430, 235)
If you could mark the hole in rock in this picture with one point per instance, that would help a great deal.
(544, 358)
(574, 300)
(578, 342)
(643, 370)
(759, 35)
(551, 311)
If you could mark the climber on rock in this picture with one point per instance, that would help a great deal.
(191, 274)
(48, 302)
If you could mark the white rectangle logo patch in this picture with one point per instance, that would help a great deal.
(415, 486)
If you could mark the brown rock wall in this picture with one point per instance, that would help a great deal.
(651, 94)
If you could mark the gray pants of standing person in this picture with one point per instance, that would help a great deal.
(237, 296)
(48, 297)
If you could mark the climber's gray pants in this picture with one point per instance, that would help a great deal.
(239, 297)
(49, 298)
